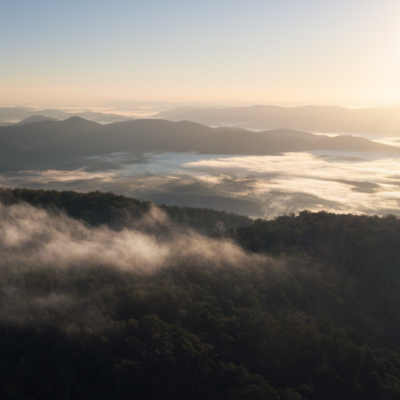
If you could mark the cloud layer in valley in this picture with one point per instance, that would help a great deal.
(332, 182)
(258, 186)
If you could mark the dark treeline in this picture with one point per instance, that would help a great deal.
(117, 212)
(317, 320)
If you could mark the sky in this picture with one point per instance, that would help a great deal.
(343, 52)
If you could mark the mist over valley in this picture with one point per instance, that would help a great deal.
(199, 200)
(259, 174)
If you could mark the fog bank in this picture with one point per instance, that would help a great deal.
(32, 237)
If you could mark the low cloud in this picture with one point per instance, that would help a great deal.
(257, 186)
(32, 237)
(333, 182)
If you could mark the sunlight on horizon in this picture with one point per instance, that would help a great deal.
(284, 52)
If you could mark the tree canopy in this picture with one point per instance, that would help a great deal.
(319, 320)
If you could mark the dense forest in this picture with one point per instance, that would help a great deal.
(117, 212)
(308, 309)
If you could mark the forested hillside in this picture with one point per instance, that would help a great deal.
(118, 212)
(306, 307)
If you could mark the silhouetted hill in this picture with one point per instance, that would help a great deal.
(15, 114)
(47, 141)
(72, 125)
(36, 118)
(12, 149)
(375, 120)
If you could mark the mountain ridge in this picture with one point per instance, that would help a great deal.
(328, 119)
(35, 118)
(11, 115)
(78, 137)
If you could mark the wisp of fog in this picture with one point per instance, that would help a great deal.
(31, 236)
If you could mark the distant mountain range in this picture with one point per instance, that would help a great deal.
(40, 143)
(383, 121)
(10, 115)
(35, 118)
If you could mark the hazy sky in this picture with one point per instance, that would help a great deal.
(317, 51)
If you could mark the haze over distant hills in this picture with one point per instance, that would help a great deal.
(53, 141)
(9, 115)
(35, 118)
(376, 120)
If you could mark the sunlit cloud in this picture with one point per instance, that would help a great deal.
(357, 187)
(32, 237)
(257, 186)
(51, 175)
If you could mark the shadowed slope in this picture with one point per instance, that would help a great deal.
(47, 141)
